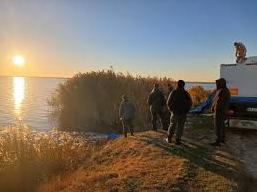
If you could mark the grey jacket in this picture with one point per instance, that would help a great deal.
(127, 110)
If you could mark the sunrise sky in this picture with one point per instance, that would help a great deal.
(181, 39)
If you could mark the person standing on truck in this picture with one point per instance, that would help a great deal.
(127, 115)
(179, 104)
(240, 52)
(220, 108)
(156, 101)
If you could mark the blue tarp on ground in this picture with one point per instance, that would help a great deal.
(111, 136)
(243, 100)
(200, 109)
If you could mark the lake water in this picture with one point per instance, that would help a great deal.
(24, 100)
(207, 86)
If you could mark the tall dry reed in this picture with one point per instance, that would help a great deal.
(28, 157)
(91, 100)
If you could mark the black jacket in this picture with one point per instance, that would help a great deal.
(179, 101)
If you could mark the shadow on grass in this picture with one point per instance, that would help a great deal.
(207, 158)
(198, 155)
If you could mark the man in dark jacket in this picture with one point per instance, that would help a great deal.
(179, 104)
(220, 108)
(156, 101)
(127, 115)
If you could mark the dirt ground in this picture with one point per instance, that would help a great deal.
(244, 145)
(240, 143)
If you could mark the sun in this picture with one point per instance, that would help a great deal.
(18, 60)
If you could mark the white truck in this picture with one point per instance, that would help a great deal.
(242, 82)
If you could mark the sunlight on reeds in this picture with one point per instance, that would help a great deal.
(90, 101)
(28, 157)
(198, 95)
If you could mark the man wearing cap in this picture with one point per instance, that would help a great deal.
(179, 104)
(220, 108)
(127, 115)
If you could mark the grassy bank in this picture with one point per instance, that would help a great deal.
(60, 161)
(147, 163)
(28, 158)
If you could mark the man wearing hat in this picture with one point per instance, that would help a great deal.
(220, 108)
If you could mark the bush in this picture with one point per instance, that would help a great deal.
(91, 100)
(198, 95)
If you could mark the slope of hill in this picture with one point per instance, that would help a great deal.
(147, 163)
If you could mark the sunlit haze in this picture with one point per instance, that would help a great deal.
(18, 60)
(175, 38)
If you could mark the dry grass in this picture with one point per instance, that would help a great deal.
(91, 100)
(147, 163)
(28, 157)
(198, 95)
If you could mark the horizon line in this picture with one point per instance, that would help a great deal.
(55, 77)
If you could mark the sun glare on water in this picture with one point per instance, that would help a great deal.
(18, 94)
(18, 60)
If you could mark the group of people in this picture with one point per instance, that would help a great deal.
(179, 104)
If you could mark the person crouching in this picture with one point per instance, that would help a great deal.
(127, 115)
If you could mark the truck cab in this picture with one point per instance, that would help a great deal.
(242, 82)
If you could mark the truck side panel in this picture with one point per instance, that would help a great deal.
(241, 79)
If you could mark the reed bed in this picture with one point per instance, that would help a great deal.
(90, 101)
(198, 95)
(28, 158)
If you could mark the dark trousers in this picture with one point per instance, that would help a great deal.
(177, 123)
(219, 125)
(128, 125)
(155, 115)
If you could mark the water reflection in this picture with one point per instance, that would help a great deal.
(18, 94)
